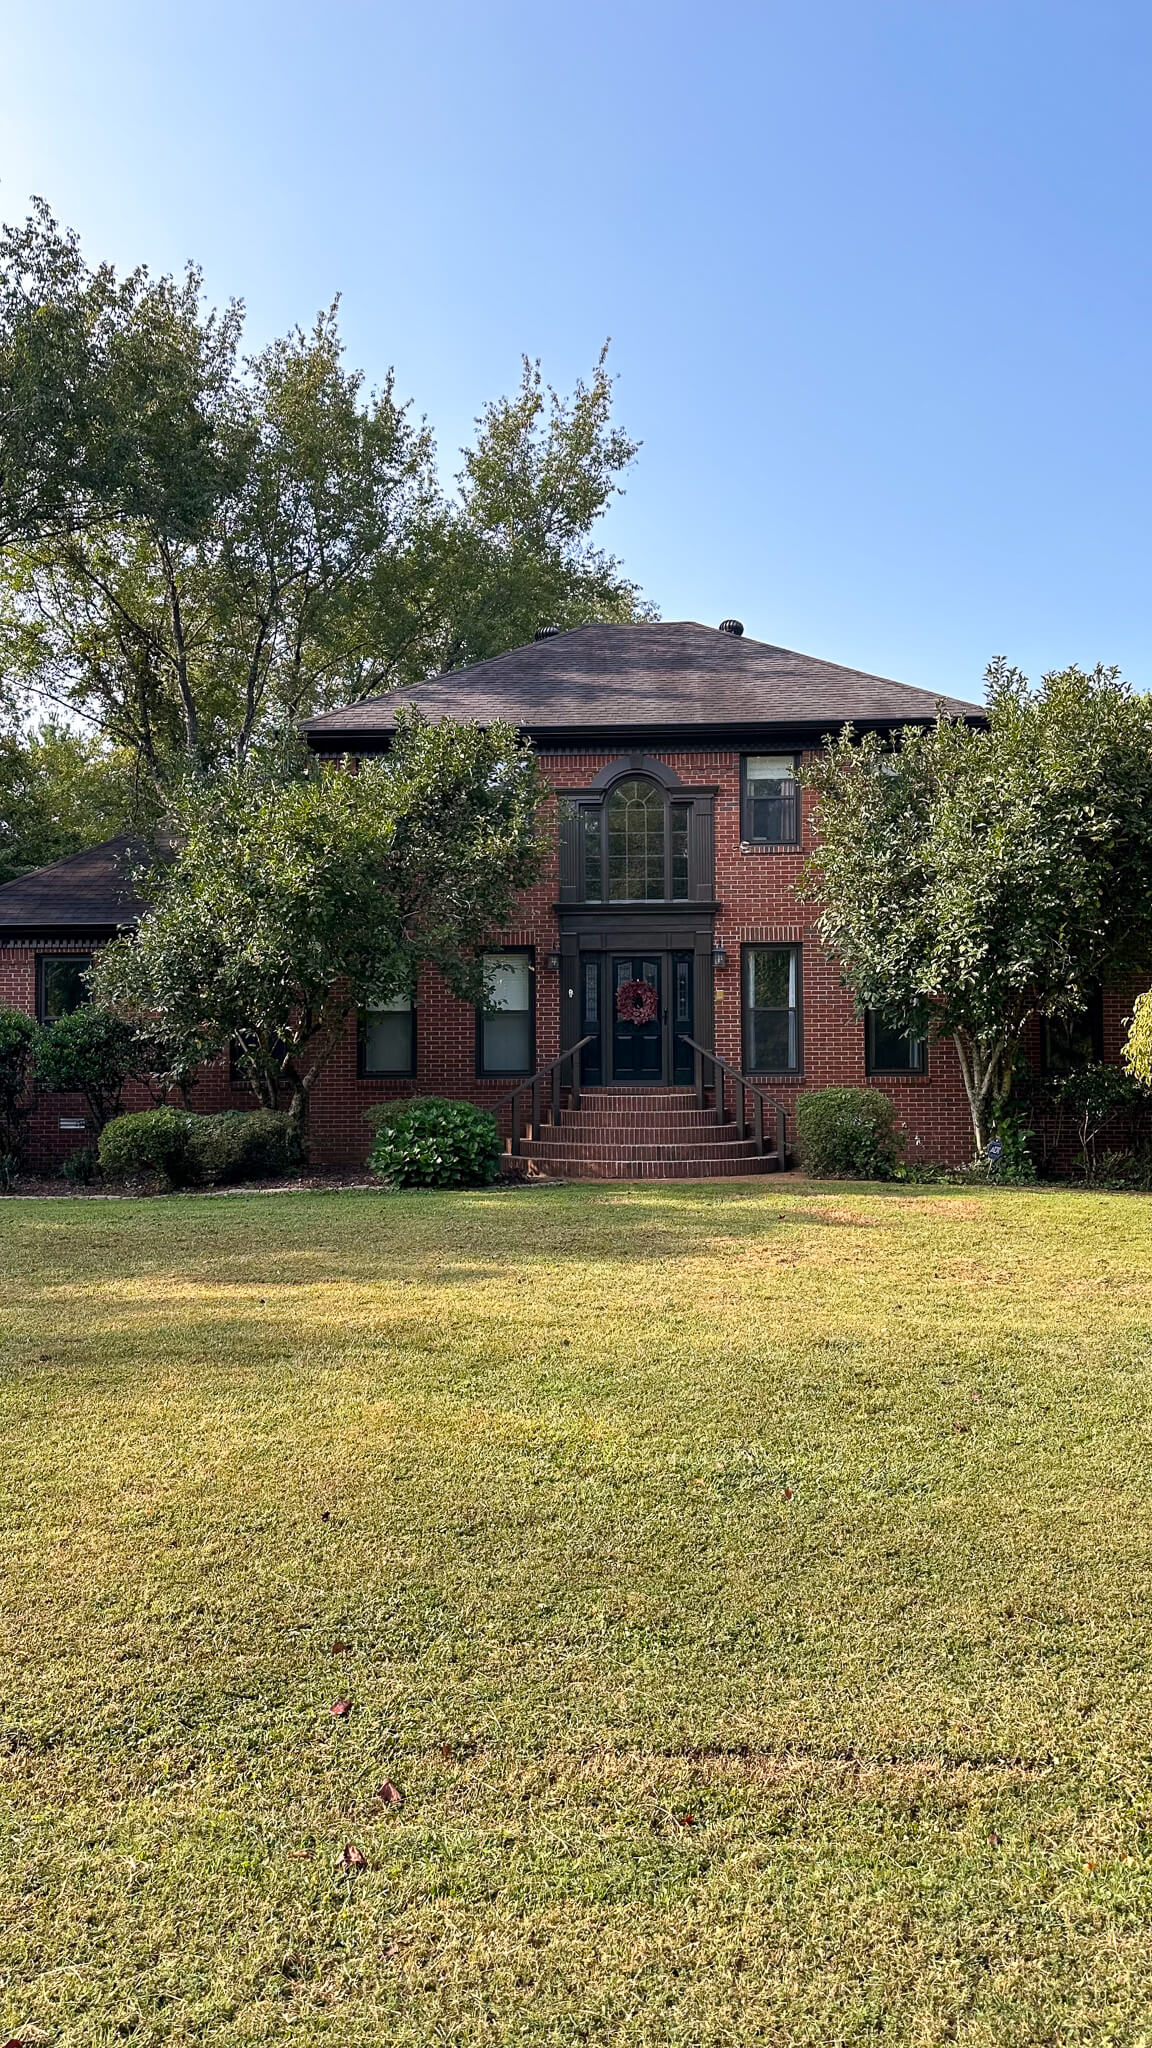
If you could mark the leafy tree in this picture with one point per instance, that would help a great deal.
(111, 391)
(1096, 1096)
(62, 791)
(205, 545)
(971, 878)
(516, 549)
(1138, 1044)
(91, 1053)
(18, 1035)
(289, 903)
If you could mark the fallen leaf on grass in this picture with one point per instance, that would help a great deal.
(341, 1649)
(787, 1493)
(390, 1793)
(301, 1855)
(354, 1858)
(341, 1709)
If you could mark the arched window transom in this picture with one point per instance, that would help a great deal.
(636, 843)
(632, 844)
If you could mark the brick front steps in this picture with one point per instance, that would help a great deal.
(644, 1134)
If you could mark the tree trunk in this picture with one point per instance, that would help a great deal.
(980, 1068)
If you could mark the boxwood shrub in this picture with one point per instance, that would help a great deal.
(847, 1134)
(431, 1142)
(242, 1144)
(148, 1141)
(235, 1144)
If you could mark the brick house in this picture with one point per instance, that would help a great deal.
(678, 833)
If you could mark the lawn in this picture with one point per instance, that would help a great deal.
(746, 1589)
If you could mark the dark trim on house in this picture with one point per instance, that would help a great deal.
(484, 1073)
(878, 1073)
(678, 739)
(73, 957)
(795, 1073)
(1058, 1052)
(749, 838)
(83, 936)
(366, 1073)
(628, 765)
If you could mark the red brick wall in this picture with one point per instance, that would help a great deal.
(756, 890)
(757, 893)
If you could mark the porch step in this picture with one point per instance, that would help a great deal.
(723, 1146)
(645, 1134)
(661, 1169)
(671, 1116)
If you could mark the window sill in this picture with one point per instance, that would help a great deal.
(771, 846)
(909, 1080)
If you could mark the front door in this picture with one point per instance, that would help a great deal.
(637, 1018)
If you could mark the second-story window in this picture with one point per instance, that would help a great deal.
(633, 845)
(769, 800)
(636, 843)
(637, 837)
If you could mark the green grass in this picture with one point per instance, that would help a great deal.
(749, 1590)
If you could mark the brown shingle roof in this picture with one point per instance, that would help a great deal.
(90, 893)
(643, 679)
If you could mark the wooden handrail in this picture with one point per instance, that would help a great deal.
(535, 1081)
(744, 1087)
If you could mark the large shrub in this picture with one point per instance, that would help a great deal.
(847, 1134)
(18, 1035)
(242, 1144)
(431, 1142)
(150, 1141)
(90, 1053)
(233, 1145)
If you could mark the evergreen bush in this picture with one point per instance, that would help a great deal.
(150, 1141)
(18, 1035)
(90, 1053)
(242, 1144)
(432, 1142)
(234, 1144)
(847, 1134)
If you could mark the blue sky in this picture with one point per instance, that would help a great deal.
(876, 271)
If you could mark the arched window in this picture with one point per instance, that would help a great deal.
(636, 842)
(629, 838)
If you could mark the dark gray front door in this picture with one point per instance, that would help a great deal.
(638, 1042)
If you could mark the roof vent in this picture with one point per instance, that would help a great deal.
(550, 632)
(733, 626)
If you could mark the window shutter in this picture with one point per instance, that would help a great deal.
(571, 851)
(702, 849)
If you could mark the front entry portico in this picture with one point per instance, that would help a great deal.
(637, 1036)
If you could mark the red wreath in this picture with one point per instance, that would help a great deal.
(637, 1003)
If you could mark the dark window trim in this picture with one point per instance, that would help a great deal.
(877, 1073)
(677, 796)
(1094, 1012)
(366, 1073)
(795, 1073)
(44, 960)
(483, 1073)
(747, 836)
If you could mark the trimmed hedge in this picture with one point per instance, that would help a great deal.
(242, 1144)
(431, 1142)
(148, 1141)
(847, 1134)
(190, 1150)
